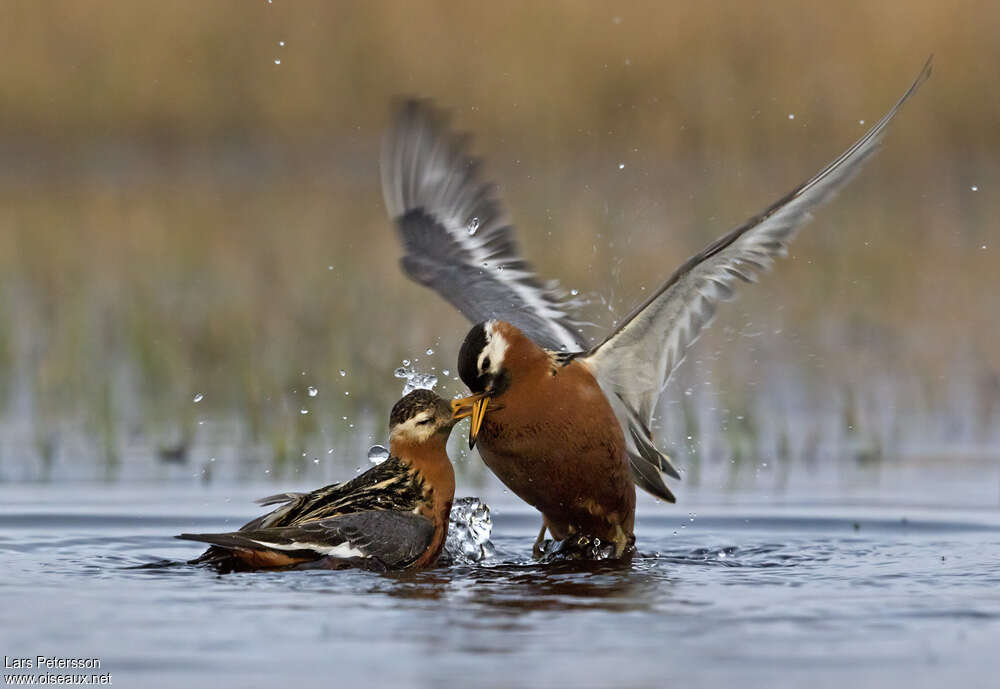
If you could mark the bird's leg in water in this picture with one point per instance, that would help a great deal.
(621, 541)
(536, 550)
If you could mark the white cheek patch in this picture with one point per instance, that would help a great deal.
(413, 431)
(495, 349)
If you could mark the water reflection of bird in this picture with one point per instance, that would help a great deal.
(393, 516)
(564, 425)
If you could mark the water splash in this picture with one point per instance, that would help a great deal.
(377, 454)
(577, 548)
(415, 380)
(469, 530)
(473, 225)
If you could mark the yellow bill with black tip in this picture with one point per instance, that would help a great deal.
(474, 406)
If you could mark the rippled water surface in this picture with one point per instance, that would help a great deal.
(746, 593)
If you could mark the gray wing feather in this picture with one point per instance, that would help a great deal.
(635, 362)
(395, 538)
(456, 236)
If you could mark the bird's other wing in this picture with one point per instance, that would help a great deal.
(389, 485)
(456, 236)
(386, 486)
(636, 360)
(279, 499)
(395, 539)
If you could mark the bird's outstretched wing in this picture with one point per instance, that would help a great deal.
(457, 239)
(634, 363)
(393, 539)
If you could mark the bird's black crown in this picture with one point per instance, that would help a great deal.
(468, 358)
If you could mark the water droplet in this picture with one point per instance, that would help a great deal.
(303, 411)
(212, 459)
(791, 115)
(406, 362)
(425, 381)
(316, 461)
(313, 391)
(329, 267)
(446, 372)
(343, 373)
(198, 398)
(861, 121)
(377, 454)
(281, 43)
(429, 351)
(473, 225)
(574, 292)
(415, 380)
(330, 451)
(277, 61)
(621, 166)
(974, 188)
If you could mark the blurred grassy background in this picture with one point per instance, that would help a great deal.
(189, 204)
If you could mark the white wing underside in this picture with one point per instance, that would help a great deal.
(635, 362)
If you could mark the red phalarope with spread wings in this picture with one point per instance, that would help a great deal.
(564, 425)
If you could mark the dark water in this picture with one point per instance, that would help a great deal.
(749, 592)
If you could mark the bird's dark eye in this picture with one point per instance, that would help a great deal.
(486, 364)
(424, 422)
